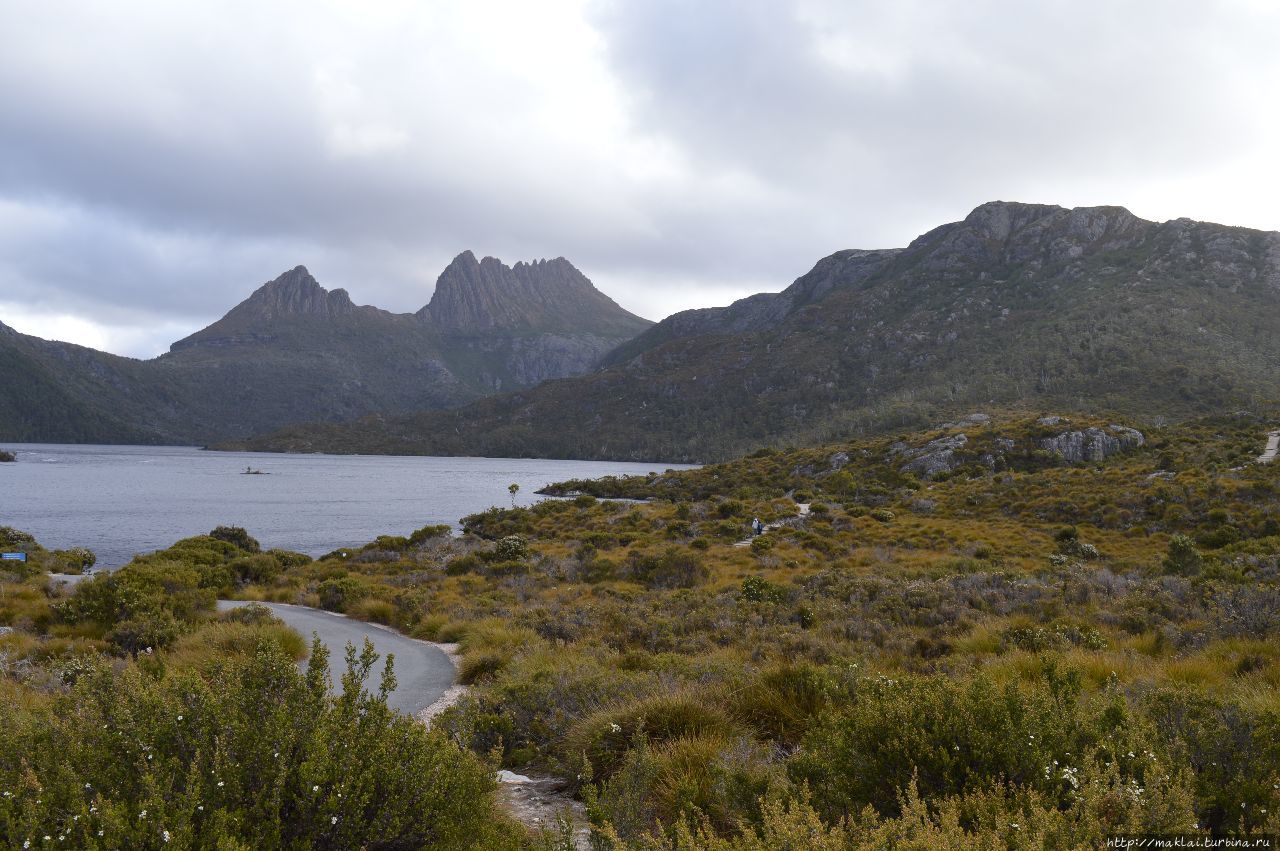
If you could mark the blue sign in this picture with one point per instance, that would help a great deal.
(13, 556)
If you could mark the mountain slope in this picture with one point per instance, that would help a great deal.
(294, 351)
(1016, 305)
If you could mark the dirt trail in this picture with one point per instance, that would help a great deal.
(802, 510)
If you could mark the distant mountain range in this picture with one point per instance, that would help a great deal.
(295, 352)
(1018, 305)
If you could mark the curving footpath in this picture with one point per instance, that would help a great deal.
(802, 510)
(424, 672)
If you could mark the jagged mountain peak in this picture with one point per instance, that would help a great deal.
(294, 295)
(297, 293)
(475, 296)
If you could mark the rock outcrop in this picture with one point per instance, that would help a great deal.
(1093, 444)
(935, 457)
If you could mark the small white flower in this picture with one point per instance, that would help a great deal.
(220, 784)
(142, 814)
(200, 807)
(179, 717)
(333, 820)
(615, 728)
(166, 836)
(315, 788)
(100, 833)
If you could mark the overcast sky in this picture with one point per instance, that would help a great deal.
(160, 160)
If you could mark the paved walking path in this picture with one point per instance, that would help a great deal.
(423, 671)
(1273, 446)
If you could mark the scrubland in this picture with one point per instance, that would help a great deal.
(1016, 652)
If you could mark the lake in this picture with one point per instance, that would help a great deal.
(123, 500)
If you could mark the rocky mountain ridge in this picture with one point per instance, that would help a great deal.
(294, 351)
(1016, 305)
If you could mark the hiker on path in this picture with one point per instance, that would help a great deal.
(757, 527)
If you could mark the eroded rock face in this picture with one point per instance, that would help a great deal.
(551, 296)
(935, 457)
(1093, 444)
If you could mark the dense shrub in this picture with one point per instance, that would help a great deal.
(141, 605)
(250, 752)
(339, 592)
(1183, 558)
(75, 559)
(426, 533)
(237, 537)
(948, 737)
(674, 567)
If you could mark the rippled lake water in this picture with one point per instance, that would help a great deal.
(122, 500)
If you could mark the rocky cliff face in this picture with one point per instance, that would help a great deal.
(523, 324)
(481, 296)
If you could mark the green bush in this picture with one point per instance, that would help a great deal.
(781, 702)
(338, 593)
(511, 548)
(756, 589)
(1183, 559)
(604, 738)
(468, 563)
(250, 752)
(75, 559)
(237, 537)
(674, 567)
(144, 604)
(427, 533)
(949, 737)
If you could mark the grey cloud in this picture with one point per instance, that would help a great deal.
(158, 161)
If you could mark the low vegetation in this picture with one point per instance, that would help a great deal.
(1011, 650)
(133, 717)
